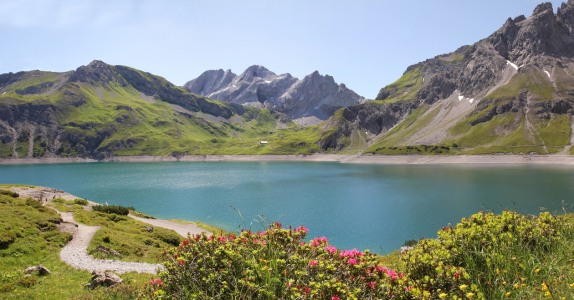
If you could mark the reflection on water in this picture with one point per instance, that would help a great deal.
(355, 206)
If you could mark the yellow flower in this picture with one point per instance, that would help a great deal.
(508, 294)
(470, 295)
(504, 283)
(514, 258)
(498, 272)
(536, 271)
(442, 296)
(547, 293)
(516, 285)
(572, 285)
(463, 287)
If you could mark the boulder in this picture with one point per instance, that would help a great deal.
(101, 278)
(107, 250)
(41, 269)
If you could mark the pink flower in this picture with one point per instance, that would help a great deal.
(313, 262)
(372, 285)
(335, 297)
(409, 288)
(331, 249)
(302, 243)
(301, 228)
(264, 242)
(352, 261)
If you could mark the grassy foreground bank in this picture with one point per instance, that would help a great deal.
(486, 256)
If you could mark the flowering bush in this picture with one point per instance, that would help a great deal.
(477, 259)
(277, 264)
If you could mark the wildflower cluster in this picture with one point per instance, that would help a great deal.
(275, 264)
(486, 256)
(499, 254)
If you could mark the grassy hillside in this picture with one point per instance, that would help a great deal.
(528, 114)
(29, 236)
(103, 110)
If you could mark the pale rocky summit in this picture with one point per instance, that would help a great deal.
(308, 101)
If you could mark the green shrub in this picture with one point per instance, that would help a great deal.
(59, 200)
(167, 236)
(140, 215)
(410, 243)
(27, 282)
(9, 193)
(112, 209)
(33, 202)
(81, 202)
(6, 238)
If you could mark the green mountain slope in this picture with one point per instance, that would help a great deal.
(512, 92)
(100, 111)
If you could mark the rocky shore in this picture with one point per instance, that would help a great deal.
(352, 159)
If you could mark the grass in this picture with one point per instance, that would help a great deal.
(38, 241)
(417, 149)
(406, 87)
(209, 228)
(529, 78)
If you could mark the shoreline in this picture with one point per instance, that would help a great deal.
(341, 158)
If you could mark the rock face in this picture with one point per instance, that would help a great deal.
(523, 72)
(308, 101)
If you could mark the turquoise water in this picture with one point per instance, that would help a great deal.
(355, 206)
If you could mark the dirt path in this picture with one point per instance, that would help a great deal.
(181, 229)
(75, 253)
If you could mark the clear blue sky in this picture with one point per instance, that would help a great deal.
(364, 44)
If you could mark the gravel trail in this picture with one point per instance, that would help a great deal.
(75, 253)
(181, 229)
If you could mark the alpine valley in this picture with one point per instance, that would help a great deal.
(512, 92)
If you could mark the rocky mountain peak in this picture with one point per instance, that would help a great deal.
(543, 8)
(314, 98)
(522, 40)
(96, 71)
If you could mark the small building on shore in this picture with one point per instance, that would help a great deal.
(263, 142)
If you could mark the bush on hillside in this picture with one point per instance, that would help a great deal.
(33, 202)
(6, 238)
(81, 202)
(9, 193)
(112, 209)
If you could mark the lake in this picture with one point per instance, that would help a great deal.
(374, 207)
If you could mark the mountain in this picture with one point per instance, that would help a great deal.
(308, 101)
(512, 92)
(100, 110)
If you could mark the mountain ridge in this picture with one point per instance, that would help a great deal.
(308, 101)
(508, 93)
